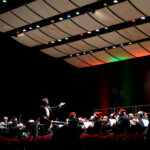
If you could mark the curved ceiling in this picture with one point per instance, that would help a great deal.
(83, 33)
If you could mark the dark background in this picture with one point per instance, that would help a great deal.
(27, 76)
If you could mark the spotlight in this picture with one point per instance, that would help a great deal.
(105, 28)
(81, 34)
(130, 43)
(59, 40)
(37, 26)
(114, 47)
(4, 1)
(97, 30)
(105, 4)
(30, 28)
(24, 30)
(91, 51)
(70, 56)
(143, 18)
(77, 54)
(46, 43)
(77, 13)
(115, 1)
(68, 16)
(60, 18)
(66, 38)
(133, 20)
(52, 42)
(17, 32)
(52, 21)
(89, 32)
(84, 53)
(121, 45)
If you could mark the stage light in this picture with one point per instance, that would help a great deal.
(105, 4)
(68, 16)
(133, 20)
(105, 28)
(37, 26)
(59, 40)
(70, 56)
(66, 38)
(89, 32)
(61, 19)
(114, 47)
(17, 32)
(106, 48)
(4, 1)
(77, 13)
(91, 51)
(30, 28)
(97, 30)
(77, 54)
(52, 21)
(84, 53)
(24, 30)
(52, 42)
(121, 45)
(130, 43)
(46, 43)
(115, 1)
(81, 34)
(143, 18)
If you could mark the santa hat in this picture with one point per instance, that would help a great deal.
(122, 110)
(85, 119)
(73, 114)
(98, 114)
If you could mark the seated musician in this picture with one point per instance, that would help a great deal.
(46, 112)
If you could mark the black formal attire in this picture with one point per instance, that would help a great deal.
(47, 111)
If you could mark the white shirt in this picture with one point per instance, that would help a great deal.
(47, 112)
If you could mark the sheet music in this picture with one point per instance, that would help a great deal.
(112, 121)
(145, 122)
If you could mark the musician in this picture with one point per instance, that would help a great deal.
(123, 123)
(46, 113)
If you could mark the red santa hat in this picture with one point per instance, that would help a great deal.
(122, 110)
(98, 113)
(73, 114)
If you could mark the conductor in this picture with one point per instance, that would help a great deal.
(46, 112)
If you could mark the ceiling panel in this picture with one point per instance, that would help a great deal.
(120, 53)
(76, 62)
(4, 27)
(42, 8)
(97, 42)
(26, 14)
(83, 2)
(126, 11)
(145, 28)
(106, 17)
(39, 36)
(132, 34)
(143, 5)
(90, 60)
(53, 52)
(54, 32)
(61, 5)
(25, 40)
(114, 37)
(67, 49)
(87, 22)
(104, 57)
(81, 45)
(12, 20)
(69, 27)
(146, 45)
(136, 50)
